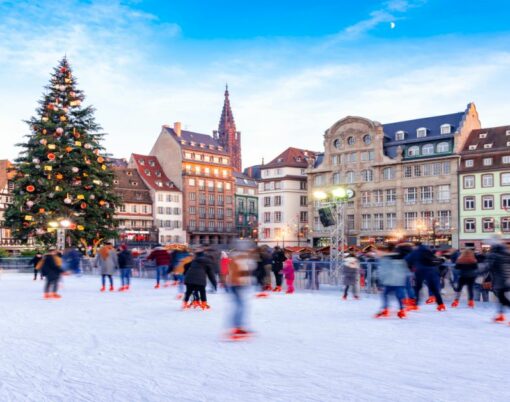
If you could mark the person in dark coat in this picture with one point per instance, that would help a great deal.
(34, 261)
(278, 259)
(195, 278)
(162, 259)
(51, 268)
(125, 258)
(499, 267)
(425, 266)
(467, 266)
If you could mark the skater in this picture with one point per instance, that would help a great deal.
(125, 258)
(71, 260)
(499, 267)
(106, 259)
(224, 262)
(278, 259)
(288, 273)
(34, 261)
(162, 260)
(263, 271)
(195, 279)
(467, 266)
(240, 270)
(51, 268)
(351, 273)
(393, 273)
(424, 264)
(182, 260)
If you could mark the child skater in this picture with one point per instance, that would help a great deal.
(51, 268)
(288, 273)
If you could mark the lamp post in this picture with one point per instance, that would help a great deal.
(61, 226)
(335, 198)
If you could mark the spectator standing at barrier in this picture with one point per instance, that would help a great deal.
(51, 268)
(278, 259)
(351, 275)
(162, 259)
(125, 258)
(34, 261)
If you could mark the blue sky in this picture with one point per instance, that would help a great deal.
(293, 67)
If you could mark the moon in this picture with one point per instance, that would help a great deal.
(392, 25)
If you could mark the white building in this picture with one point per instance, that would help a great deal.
(283, 200)
(166, 198)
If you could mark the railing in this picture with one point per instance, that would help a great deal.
(16, 263)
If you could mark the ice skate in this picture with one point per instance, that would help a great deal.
(112, 288)
(277, 289)
(289, 292)
(156, 286)
(430, 300)
(179, 296)
(383, 313)
(195, 304)
(499, 318)
(344, 297)
(261, 295)
(402, 313)
(185, 305)
(471, 304)
(441, 307)
(122, 289)
(167, 284)
(455, 303)
(103, 288)
(204, 306)
(238, 334)
(47, 295)
(56, 296)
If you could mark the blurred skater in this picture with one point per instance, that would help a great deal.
(34, 261)
(125, 258)
(499, 267)
(467, 266)
(107, 260)
(162, 259)
(195, 279)
(288, 273)
(351, 275)
(51, 268)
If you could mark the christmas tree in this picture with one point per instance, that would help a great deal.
(62, 171)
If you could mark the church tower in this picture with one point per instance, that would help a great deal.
(227, 135)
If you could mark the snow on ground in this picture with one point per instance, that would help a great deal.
(139, 346)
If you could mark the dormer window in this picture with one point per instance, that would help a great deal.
(280, 160)
(134, 183)
(152, 163)
(446, 129)
(147, 172)
(220, 148)
(298, 159)
(192, 143)
(487, 146)
(211, 146)
(508, 133)
(202, 145)
(158, 173)
(427, 149)
(129, 173)
(115, 182)
(183, 142)
(483, 135)
(421, 132)
(413, 151)
(472, 147)
(400, 135)
(159, 183)
(142, 162)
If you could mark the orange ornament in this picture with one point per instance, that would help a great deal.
(51, 156)
(59, 176)
(83, 205)
(42, 210)
(100, 159)
(68, 149)
(30, 188)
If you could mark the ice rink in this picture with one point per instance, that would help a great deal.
(139, 346)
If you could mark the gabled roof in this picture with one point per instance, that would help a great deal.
(244, 181)
(118, 162)
(191, 140)
(496, 137)
(130, 185)
(151, 172)
(292, 157)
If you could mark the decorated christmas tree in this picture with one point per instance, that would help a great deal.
(62, 171)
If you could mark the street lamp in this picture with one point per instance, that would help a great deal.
(61, 225)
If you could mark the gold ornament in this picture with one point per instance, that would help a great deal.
(63, 118)
(103, 167)
(80, 196)
(58, 188)
(77, 144)
(51, 146)
(28, 217)
(48, 168)
(80, 227)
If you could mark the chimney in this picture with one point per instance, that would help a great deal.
(177, 128)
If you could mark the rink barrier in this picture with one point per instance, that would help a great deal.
(19, 264)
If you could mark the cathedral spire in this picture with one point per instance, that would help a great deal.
(228, 136)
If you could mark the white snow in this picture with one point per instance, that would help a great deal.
(139, 346)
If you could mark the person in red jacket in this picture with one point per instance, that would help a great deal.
(288, 273)
(162, 259)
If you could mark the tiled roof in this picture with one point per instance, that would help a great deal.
(130, 186)
(292, 157)
(243, 180)
(193, 141)
(497, 138)
(118, 162)
(151, 172)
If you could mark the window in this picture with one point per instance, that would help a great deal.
(445, 218)
(337, 143)
(469, 181)
(367, 156)
(267, 233)
(378, 221)
(505, 179)
(267, 201)
(469, 203)
(410, 220)
(487, 161)
(417, 170)
(192, 196)
(349, 177)
(413, 151)
(421, 132)
(505, 159)
(278, 233)
(303, 200)
(472, 147)
(487, 180)
(443, 147)
(427, 149)
(408, 171)
(318, 180)
(391, 196)
(335, 179)
(470, 225)
(365, 221)
(389, 173)
(365, 198)
(487, 146)
(427, 217)
(488, 202)
(378, 197)
(192, 210)
(391, 220)
(351, 158)
(303, 216)
(336, 160)
(505, 224)
(302, 185)
(469, 163)
(350, 222)
(400, 135)
(351, 140)
(277, 200)
(488, 224)
(446, 129)
(483, 135)
(436, 169)
(427, 194)
(367, 139)
(505, 201)
(277, 217)
(367, 175)
(410, 195)
(446, 167)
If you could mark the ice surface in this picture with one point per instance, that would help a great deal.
(139, 346)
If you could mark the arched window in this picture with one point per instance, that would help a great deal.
(427, 149)
(349, 176)
(443, 147)
(413, 151)
(337, 143)
(351, 140)
(367, 139)
(367, 175)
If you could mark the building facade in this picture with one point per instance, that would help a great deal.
(404, 176)
(6, 187)
(484, 187)
(246, 206)
(134, 215)
(283, 199)
(167, 199)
